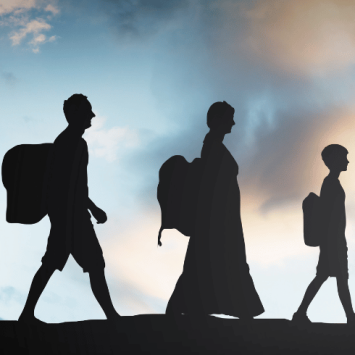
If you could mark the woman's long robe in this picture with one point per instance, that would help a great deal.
(216, 278)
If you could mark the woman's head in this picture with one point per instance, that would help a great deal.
(220, 117)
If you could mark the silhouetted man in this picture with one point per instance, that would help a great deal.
(68, 203)
(333, 258)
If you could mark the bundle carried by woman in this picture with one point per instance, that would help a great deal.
(177, 193)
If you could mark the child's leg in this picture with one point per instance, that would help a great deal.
(344, 295)
(311, 291)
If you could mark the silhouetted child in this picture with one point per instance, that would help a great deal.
(333, 259)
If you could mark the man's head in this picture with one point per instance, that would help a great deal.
(220, 117)
(335, 157)
(78, 111)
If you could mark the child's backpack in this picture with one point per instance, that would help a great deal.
(177, 193)
(25, 176)
(312, 220)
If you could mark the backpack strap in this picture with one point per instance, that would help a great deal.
(159, 236)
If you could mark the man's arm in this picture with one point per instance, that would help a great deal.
(97, 212)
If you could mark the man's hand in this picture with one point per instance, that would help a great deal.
(99, 215)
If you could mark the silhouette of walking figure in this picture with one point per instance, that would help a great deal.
(333, 259)
(68, 203)
(215, 278)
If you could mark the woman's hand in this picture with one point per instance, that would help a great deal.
(99, 215)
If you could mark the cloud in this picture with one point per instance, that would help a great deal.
(141, 18)
(39, 40)
(9, 78)
(9, 294)
(307, 36)
(148, 271)
(32, 27)
(285, 115)
(281, 117)
(53, 9)
(17, 15)
(16, 6)
(106, 143)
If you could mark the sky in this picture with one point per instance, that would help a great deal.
(151, 69)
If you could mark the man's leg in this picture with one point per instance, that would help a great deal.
(101, 293)
(311, 291)
(344, 295)
(39, 282)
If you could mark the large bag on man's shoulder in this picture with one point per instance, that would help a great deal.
(25, 176)
(313, 222)
(178, 192)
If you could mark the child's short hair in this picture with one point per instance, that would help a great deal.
(215, 113)
(330, 150)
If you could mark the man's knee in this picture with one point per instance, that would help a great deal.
(48, 269)
(342, 280)
(96, 272)
(320, 279)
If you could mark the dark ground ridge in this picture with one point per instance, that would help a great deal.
(157, 334)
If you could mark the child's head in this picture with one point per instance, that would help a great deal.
(335, 157)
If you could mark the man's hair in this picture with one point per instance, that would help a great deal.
(75, 99)
(331, 149)
(215, 113)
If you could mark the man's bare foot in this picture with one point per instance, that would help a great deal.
(301, 318)
(115, 317)
(29, 319)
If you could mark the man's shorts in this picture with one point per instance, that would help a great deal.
(83, 246)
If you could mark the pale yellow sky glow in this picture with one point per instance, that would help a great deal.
(134, 256)
(311, 36)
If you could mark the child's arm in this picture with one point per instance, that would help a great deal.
(332, 205)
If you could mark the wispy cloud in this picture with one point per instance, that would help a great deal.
(149, 270)
(33, 27)
(16, 6)
(18, 16)
(9, 78)
(9, 294)
(140, 18)
(106, 143)
(53, 9)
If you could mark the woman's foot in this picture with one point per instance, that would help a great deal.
(301, 318)
(172, 312)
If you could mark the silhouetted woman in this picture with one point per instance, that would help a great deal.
(215, 278)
